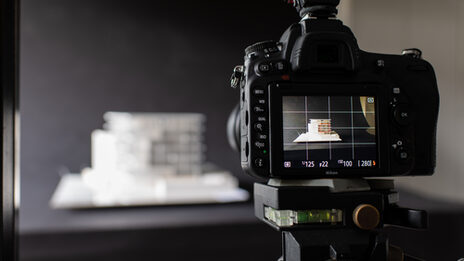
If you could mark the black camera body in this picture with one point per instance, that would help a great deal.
(314, 105)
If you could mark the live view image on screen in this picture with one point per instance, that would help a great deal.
(329, 132)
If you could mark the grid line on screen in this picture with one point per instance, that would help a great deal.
(334, 128)
(352, 129)
(344, 143)
(306, 116)
(330, 143)
(347, 112)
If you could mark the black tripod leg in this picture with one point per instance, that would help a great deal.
(396, 254)
(379, 248)
(328, 244)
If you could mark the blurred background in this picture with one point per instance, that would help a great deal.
(82, 58)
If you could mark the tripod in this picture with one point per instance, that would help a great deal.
(335, 219)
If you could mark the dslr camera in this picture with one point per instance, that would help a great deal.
(314, 105)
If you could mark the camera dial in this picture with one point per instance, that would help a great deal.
(316, 8)
(266, 47)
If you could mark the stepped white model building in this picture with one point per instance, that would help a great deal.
(319, 130)
(148, 159)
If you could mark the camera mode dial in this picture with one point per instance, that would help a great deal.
(266, 47)
(316, 8)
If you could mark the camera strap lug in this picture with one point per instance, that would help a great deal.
(237, 76)
(413, 52)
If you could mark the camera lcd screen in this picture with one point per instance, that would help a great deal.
(329, 132)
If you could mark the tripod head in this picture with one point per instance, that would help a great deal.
(316, 8)
(335, 219)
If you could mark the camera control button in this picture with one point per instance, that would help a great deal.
(399, 99)
(398, 144)
(262, 119)
(402, 114)
(258, 109)
(258, 91)
(264, 68)
(279, 66)
(260, 145)
(259, 126)
(402, 155)
(259, 162)
(262, 136)
(262, 101)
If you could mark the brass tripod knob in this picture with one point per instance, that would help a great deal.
(366, 217)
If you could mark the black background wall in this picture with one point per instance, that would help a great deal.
(81, 58)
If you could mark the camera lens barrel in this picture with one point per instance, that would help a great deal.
(233, 128)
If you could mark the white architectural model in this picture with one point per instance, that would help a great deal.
(156, 143)
(318, 131)
(148, 159)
